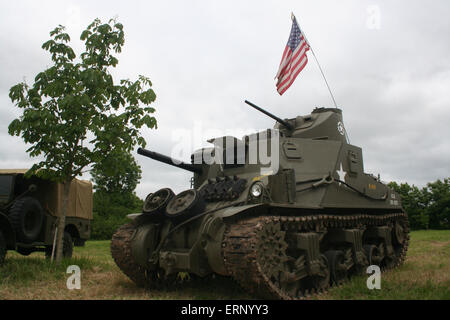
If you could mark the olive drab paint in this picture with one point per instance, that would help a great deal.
(283, 230)
(30, 207)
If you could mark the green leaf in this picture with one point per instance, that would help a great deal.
(73, 114)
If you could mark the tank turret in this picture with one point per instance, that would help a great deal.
(321, 124)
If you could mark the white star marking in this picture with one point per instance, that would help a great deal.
(341, 174)
(341, 128)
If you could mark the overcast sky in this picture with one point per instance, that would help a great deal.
(387, 62)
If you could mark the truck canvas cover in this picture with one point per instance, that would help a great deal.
(50, 194)
(80, 199)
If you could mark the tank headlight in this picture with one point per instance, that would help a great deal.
(256, 190)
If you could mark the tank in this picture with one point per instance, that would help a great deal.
(286, 228)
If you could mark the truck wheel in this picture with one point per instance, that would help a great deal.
(2, 248)
(78, 242)
(67, 247)
(27, 217)
(25, 251)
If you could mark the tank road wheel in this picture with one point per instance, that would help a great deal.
(373, 254)
(379, 254)
(321, 280)
(291, 279)
(338, 270)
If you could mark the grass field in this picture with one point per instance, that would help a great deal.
(425, 275)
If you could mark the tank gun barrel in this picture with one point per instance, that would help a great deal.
(284, 123)
(162, 158)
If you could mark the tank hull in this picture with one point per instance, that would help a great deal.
(274, 252)
(309, 219)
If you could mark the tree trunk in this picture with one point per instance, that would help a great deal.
(62, 221)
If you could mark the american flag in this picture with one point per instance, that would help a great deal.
(294, 58)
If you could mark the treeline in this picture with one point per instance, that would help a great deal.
(428, 207)
(110, 212)
(115, 180)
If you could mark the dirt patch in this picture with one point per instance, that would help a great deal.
(440, 244)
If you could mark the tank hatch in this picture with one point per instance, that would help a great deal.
(321, 124)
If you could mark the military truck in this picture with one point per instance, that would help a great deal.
(312, 219)
(29, 208)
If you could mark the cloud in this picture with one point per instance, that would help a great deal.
(205, 58)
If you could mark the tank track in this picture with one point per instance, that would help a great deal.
(257, 254)
(142, 277)
(121, 253)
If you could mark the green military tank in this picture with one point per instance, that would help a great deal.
(283, 229)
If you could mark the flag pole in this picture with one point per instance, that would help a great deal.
(318, 64)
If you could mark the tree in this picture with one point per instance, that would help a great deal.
(114, 197)
(115, 181)
(74, 115)
(438, 198)
(118, 173)
(414, 203)
(428, 207)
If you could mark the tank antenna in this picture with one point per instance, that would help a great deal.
(317, 61)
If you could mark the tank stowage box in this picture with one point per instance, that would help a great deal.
(286, 212)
